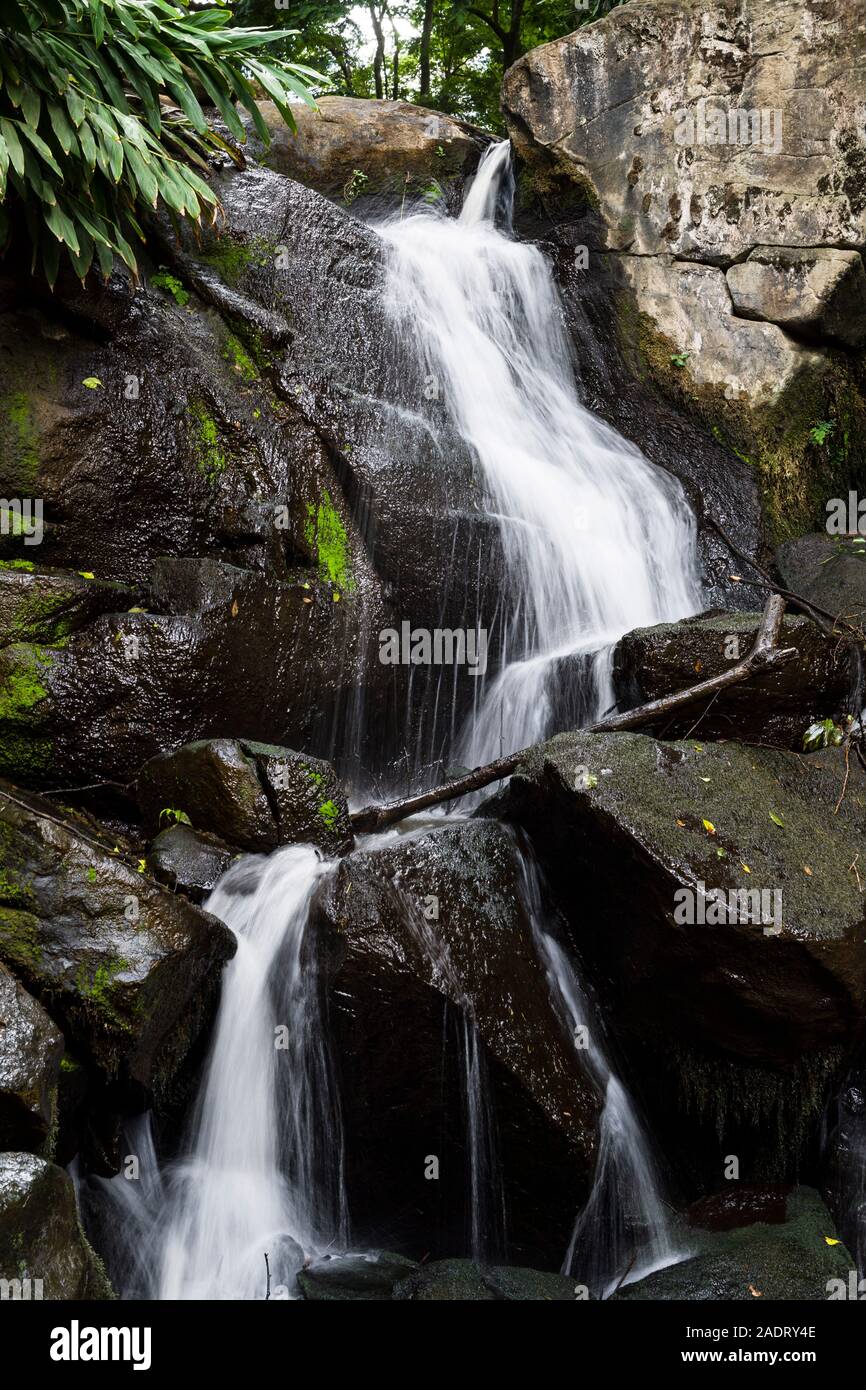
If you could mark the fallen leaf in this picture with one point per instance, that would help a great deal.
(709, 827)
(777, 820)
(807, 870)
(745, 868)
(91, 382)
(235, 609)
(680, 822)
(756, 1293)
(699, 666)
(831, 1241)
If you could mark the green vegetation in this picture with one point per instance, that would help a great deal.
(170, 283)
(326, 536)
(210, 459)
(330, 813)
(87, 147)
(445, 54)
(240, 359)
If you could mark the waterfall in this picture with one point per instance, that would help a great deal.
(264, 1172)
(623, 1231)
(597, 541)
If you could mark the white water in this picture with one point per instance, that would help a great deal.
(265, 1172)
(597, 541)
(623, 1231)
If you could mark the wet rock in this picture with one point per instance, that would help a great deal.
(792, 1261)
(828, 570)
(464, 1281)
(30, 1052)
(41, 1241)
(746, 1024)
(844, 1160)
(423, 919)
(740, 1205)
(252, 795)
(354, 1277)
(818, 291)
(354, 150)
(188, 860)
(39, 604)
(775, 707)
(129, 971)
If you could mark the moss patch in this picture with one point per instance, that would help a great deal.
(231, 258)
(19, 938)
(209, 456)
(327, 538)
(235, 353)
(19, 453)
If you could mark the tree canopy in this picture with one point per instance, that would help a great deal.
(447, 54)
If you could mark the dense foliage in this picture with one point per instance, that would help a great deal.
(101, 117)
(447, 54)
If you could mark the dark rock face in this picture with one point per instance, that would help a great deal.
(844, 1176)
(792, 1261)
(30, 1052)
(775, 708)
(40, 1234)
(741, 1205)
(38, 604)
(393, 968)
(369, 153)
(127, 969)
(188, 860)
(743, 1025)
(252, 795)
(828, 570)
(354, 1277)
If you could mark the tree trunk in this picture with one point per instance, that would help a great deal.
(426, 34)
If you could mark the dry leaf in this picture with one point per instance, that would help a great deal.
(756, 1293)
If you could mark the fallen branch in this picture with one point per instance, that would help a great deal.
(765, 653)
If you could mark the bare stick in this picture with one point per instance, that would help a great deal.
(764, 654)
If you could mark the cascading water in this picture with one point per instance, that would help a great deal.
(596, 540)
(264, 1173)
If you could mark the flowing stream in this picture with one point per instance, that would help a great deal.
(597, 541)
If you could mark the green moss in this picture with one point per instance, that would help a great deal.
(240, 359)
(98, 987)
(330, 813)
(209, 457)
(327, 538)
(12, 892)
(68, 1065)
(27, 565)
(19, 938)
(20, 440)
(231, 258)
(21, 688)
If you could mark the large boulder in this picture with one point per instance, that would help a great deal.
(427, 927)
(188, 860)
(692, 148)
(741, 1008)
(452, 1281)
(30, 1051)
(253, 795)
(775, 707)
(129, 971)
(356, 150)
(799, 1260)
(818, 291)
(828, 570)
(43, 1251)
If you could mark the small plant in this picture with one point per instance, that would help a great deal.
(173, 817)
(679, 359)
(432, 192)
(440, 153)
(820, 433)
(355, 185)
(824, 733)
(170, 283)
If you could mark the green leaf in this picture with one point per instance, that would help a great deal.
(777, 820)
(92, 383)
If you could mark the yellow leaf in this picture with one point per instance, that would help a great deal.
(807, 870)
(709, 827)
(745, 867)
(235, 609)
(680, 822)
(831, 1241)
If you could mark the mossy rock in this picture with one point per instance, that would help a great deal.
(30, 1051)
(41, 1240)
